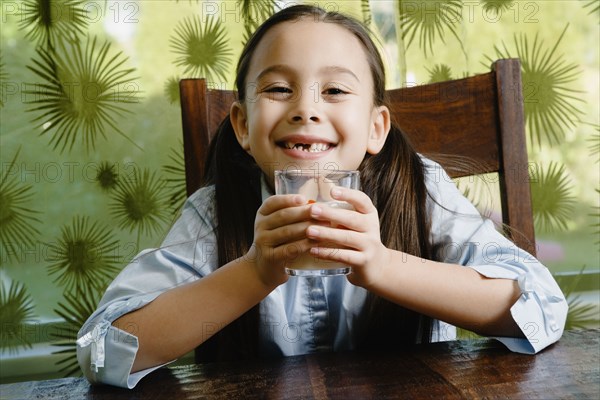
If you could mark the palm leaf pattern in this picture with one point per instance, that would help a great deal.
(48, 21)
(17, 220)
(254, 13)
(75, 311)
(549, 102)
(16, 310)
(439, 73)
(595, 151)
(594, 6)
(428, 19)
(202, 48)
(107, 176)
(581, 315)
(595, 143)
(82, 93)
(139, 203)
(171, 90)
(84, 257)
(3, 78)
(479, 189)
(551, 197)
(596, 219)
(365, 8)
(175, 181)
(497, 6)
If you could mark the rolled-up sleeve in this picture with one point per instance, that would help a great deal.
(461, 236)
(106, 353)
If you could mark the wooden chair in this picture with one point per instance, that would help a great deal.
(479, 118)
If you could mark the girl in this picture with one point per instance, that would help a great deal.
(311, 94)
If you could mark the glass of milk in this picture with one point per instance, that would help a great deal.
(316, 186)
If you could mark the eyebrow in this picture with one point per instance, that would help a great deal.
(340, 70)
(278, 68)
(285, 69)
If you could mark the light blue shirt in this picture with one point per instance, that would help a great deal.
(307, 315)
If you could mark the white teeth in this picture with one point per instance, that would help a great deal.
(318, 147)
(312, 148)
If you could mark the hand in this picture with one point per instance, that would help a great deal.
(353, 237)
(279, 236)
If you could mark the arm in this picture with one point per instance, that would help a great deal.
(523, 299)
(162, 303)
(452, 293)
(176, 322)
(460, 296)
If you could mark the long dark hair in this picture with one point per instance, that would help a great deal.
(393, 179)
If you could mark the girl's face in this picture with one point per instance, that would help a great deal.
(309, 101)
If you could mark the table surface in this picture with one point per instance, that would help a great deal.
(451, 370)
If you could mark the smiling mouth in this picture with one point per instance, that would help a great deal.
(307, 147)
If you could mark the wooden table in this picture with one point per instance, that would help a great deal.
(463, 369)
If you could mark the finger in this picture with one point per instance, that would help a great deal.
(285, 216)
(282, 211)
(278, 256)
(349, 257)
(286, 234)
(277, 202)
(339, 216)
(359, 200)
(336, 237)
(290, 251)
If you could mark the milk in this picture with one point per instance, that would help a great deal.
(306, 262)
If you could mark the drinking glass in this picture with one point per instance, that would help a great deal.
(316, 186)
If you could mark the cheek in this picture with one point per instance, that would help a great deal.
(357, 117)
(261, 119)
(352, 157)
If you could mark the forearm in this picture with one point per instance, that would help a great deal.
(455, 294)
(180, 319)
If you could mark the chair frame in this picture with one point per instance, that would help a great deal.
(453, 117)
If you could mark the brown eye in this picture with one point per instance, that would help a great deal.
(278, 89)
(277, 92)
(334, 91)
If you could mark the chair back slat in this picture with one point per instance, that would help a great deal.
(452, 118)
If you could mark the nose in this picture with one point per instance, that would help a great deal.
(304, 110)
(304, 118)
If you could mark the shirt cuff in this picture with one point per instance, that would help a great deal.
(106, 353)
(540, 312)
(117, 370)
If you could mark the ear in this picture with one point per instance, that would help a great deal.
(379, 129)
(239, 121)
